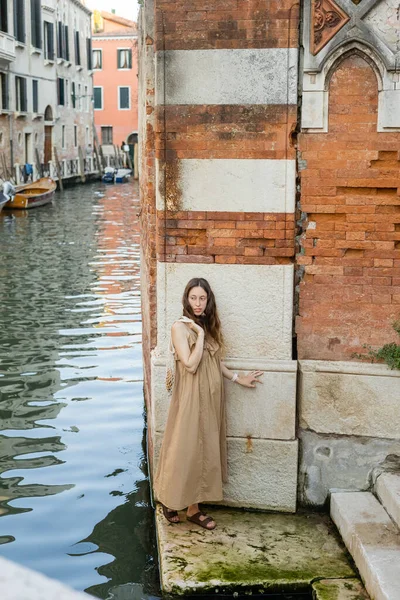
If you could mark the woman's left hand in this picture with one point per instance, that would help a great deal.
(251, 379)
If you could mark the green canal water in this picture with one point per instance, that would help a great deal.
(74, 495)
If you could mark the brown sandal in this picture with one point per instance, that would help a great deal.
(202, 522)
(170, 514)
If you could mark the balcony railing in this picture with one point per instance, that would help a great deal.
(7, 46)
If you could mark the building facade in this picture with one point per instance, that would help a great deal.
(115, 80)
(270, 165)
(46, 81)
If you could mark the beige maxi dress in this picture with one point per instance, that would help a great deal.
(192, 463)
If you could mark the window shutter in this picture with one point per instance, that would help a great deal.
(73, 95)
(77, 49)
(35, 97)
(3, 17)
(59, 40)
(66, 38)
(38, 10)
(33, 23)
(50, 34)
(89, 53)
(24, 98)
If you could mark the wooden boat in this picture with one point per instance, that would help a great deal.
(33, 194)
(3, 201)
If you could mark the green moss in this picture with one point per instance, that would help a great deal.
(254, 573)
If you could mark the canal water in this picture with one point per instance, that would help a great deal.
(74, 495)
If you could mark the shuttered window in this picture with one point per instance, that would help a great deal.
(4, 91)
(36, 24)
(19, 20)
(66, 43)
(106, 135)
(124, 98)
(48, 30)
(35, 95)
(89, 53)
(61, 91)
(21, 103)
(77, 49)
(98, 98)
(3, 17)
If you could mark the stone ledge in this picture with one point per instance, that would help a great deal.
(347, 368)
(388, 490)
(247, 550)
(339, 589)
(349, 399)
(19, 583)
(372, 539)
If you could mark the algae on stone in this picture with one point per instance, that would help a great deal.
(340, 589)
(248, 550)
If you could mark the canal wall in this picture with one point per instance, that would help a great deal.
(269, 165)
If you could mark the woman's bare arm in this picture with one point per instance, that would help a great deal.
(189, 358)
(245, 380)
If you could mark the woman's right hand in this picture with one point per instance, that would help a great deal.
(196, 327)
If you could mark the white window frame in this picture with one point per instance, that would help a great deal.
(119, 97)
(101, 59)
(125, 68)
(63, 136)
(100, 87)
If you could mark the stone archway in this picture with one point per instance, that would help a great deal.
(48, 113)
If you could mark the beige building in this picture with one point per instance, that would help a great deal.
(46, 84)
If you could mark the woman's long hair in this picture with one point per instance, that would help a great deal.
(209, 320)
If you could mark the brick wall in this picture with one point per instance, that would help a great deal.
(238, 24)
(350, 242)
(225, 237)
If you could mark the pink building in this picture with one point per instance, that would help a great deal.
(115, 82)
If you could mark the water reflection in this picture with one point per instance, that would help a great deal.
(73, 485)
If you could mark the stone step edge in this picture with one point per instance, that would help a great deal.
(387, 488)
(378, 582)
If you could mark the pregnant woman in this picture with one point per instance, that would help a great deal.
(192, 464)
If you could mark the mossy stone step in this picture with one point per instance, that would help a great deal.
(339, 589)
(250, 550)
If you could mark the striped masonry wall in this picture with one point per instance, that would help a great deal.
(225, 185)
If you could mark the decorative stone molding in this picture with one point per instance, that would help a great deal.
(371, 31)
(327, 18)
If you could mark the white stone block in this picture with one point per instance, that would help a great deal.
(372, 539)
(261, 473)
(267, 412)
(388, 490)
(255, 76)
(19, 583)
(255, 304)
(237, 185)
(313, 110)
(389, 110)
(350, 399)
